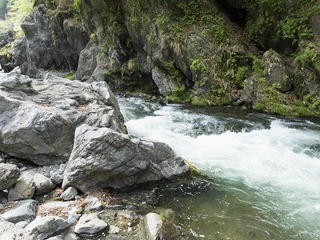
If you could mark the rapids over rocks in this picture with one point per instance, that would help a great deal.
(263, 171)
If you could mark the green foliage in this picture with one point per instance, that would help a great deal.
(280, 19)
(197, 66)
(77, 5)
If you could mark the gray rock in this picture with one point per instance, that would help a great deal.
(112, 159)
(9, 175)
(276, 72)
(164, 82)
(57, 175)
(94, 204)
(22, 224)
(88, 61)
(24, 211)
(69, 194)
(42, 184)
(90, 224)
(8, 231)
(38, 117)
(24, 188)
(45, 227)
(59, 237)
(1, 207)
(74, 214)
(153, 225)
(52, 41)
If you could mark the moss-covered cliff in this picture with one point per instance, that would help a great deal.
(261, 54)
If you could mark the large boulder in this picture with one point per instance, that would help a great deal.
(38, 118)
(9, 175)
(112, 159)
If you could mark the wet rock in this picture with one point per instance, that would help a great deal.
(90, 225)
(44, 227)
(39, 117)
(126, 219)
(9, 231)
(69, 194)
(9, 175)
(42, 184)
(112, 159)
(163, 81)
(114, 230)
(24, 188)
(23, 211)
(153, 225)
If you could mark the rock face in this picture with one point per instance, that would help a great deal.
(52, 41)
(38, 118)
(111, 159)
(9, 175)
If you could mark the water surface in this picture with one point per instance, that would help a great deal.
(264, 171)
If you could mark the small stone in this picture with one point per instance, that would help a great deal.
(126, 219)
(74, 214)
(22, 224)
(24, 188)
(42, 184)
(114, 230)
(9, 175)
(90, 224)
(24, 211)
(94, 204)
(69, 194)
(153, 225)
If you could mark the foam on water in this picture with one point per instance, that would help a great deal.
(279, 163)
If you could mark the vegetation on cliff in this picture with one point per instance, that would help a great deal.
(258, 54)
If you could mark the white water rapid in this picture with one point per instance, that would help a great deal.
(265, 170)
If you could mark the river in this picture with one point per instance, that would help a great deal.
(263, 171)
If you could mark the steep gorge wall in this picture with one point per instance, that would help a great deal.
(260, 54)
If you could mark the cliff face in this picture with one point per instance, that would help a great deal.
(261, 54)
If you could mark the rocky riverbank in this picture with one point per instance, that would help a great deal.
(62, 142)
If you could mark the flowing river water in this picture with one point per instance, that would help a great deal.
(263, 171)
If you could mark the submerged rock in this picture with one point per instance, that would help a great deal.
(9, 175)
(112, 159)
(39, 117)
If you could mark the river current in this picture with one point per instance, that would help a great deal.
(263, 172)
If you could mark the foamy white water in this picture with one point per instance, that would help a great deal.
(279, 163)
